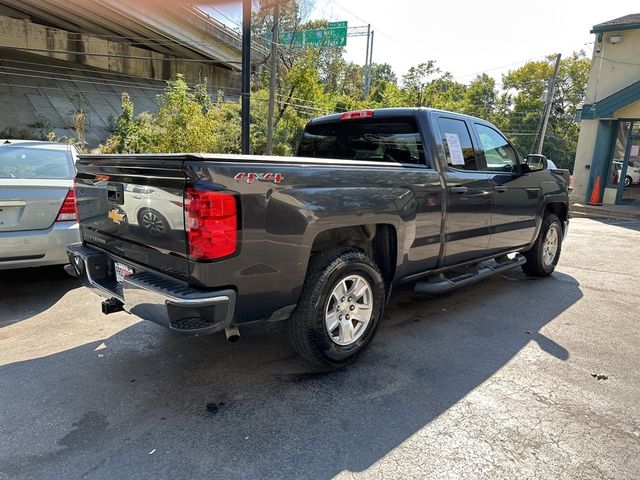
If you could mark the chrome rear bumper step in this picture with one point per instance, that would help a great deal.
(148, 295)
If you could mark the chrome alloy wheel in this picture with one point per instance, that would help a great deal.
(153, 223)
(349, 310)
(550, 246)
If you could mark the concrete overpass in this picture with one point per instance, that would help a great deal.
(55, 54)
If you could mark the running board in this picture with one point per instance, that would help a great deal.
(440, 284)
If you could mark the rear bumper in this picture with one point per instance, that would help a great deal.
(150, 296)
(37, 248)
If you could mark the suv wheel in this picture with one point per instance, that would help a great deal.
(628, 181)
(153, 222)
(339, 309)
(543, 257)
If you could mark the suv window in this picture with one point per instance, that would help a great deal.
(500, 156)
(385, 140)
(457, 144)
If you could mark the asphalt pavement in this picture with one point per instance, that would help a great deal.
(511, 378)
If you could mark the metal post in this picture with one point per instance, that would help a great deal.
(275, 36)
(246, 76)
(366, 60)
(370, 65)
(547, 107)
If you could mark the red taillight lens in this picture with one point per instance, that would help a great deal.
(68, 212)
(212, 224)
(356, 114)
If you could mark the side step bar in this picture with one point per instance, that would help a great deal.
(440, 284)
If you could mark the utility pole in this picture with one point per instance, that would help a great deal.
(366, 60)
(542, 130)
(246, 77)
(368, 85)
(273, 80)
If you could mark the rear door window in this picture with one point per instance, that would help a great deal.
(35, 163)
(382, 140)
(456, 142)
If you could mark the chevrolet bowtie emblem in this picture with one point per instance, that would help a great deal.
(116, 216)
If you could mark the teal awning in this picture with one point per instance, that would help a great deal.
(607, 107)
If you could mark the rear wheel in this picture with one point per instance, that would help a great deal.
(543, 257)
(628, 181)
(339, 309)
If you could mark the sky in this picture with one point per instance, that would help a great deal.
(464, 37)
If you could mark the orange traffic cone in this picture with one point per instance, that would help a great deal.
(595, 194)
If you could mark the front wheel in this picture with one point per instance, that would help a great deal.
(339, 309)
(628, 181)
(543, 257)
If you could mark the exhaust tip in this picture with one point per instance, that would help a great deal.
(232, 334)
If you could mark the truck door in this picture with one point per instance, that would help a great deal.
(516, 194)
(469, 191)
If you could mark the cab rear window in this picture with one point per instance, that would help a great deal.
(384, 140)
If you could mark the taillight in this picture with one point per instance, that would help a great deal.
(212, 224)
(356, 114)
(68, 212)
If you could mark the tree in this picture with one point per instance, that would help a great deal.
(416, 81)
(480, 98)
(527, 87)
(383, 72)
(444, 93)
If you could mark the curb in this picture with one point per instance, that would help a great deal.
(579, 210)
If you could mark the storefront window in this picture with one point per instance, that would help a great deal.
(619, 150)
(630, 176)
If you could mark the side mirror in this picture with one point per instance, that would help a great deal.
(536, 162)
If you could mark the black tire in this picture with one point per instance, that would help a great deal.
(628, 181)
(306, 326)
(536, 265)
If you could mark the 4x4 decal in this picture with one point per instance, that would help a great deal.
(261, 177)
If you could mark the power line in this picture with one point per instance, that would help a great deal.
(110, 55)
(95, 71)
(86, 80)
(304, 108)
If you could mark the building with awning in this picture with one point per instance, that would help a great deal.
(58, 58)
(607, 166)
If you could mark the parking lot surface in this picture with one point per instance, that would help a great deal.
(511, 378)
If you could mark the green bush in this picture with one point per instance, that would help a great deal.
(187, 121)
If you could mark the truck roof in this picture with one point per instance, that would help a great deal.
(391, 112)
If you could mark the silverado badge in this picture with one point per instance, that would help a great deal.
(116, 216)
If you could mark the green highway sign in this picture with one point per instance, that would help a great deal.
(335, 35)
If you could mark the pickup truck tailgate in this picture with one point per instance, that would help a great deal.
(133, 207)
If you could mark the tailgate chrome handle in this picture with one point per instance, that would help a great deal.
(459, 190)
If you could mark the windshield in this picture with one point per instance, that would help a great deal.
(35, 162)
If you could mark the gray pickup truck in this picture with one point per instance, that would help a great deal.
(375, 198)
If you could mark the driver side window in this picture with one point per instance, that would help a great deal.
(499, 155)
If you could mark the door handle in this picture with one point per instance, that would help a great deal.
(501, 188)
(459, 190)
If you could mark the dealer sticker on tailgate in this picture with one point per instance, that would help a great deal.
(122, 271)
